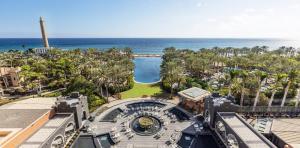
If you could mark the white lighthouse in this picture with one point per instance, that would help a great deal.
(44, 34)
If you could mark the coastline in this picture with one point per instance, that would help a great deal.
(147, 55)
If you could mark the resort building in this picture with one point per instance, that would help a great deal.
(21, 119)
(149, 123)
(42, 122)
(9, 77)
(42, 51)
(145, 123)
(155, 123)
(193, 99)
(230, 127)
(159, 123)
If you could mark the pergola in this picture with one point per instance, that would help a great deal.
(193, 98)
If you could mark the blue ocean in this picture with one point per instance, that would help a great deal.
(142, 45)
(146, 69)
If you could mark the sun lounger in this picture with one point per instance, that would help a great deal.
(128, 131)
(130, 135)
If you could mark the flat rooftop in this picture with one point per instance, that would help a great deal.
(18, 115)
(248, 136)
(194, 93)
(40, 136)
(31, 103)
(288, 130)
(19, 118)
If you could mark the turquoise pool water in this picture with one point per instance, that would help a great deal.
(147, 69)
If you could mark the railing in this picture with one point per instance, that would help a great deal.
(273, 109)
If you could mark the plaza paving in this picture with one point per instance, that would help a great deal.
(170, 129)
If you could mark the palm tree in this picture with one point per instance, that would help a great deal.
(260, 77)
(297, 97)
(293, 74)
(233, 74)
(244, 77)
(276, 85)
(106, 79)
(172, 74)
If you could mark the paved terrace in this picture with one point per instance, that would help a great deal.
(137, 141)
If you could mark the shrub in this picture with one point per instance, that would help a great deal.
(53, 94)
(144, 96)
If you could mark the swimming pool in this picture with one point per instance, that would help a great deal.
(147, 69)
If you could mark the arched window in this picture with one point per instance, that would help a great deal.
(58, 142)
(69, 130)
(221, 130)
(232, 141)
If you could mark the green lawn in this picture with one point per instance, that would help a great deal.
(140, 90)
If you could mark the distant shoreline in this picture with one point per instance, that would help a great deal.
(147, 55)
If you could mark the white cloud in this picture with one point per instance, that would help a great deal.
(211, 20)
(295, 6)
(199, 4)
(270, 10)
(249, 10)
(260, 23)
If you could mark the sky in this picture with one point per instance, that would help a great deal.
(151, 18)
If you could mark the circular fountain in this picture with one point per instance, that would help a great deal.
(146, 125)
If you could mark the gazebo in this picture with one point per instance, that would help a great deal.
(193, 99)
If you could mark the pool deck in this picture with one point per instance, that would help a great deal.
(137, 141)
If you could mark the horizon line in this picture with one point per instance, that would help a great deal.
(277, 38)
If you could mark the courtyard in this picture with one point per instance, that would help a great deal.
(145, 123)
